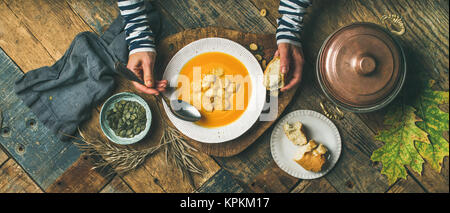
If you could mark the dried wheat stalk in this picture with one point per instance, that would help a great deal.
(124, 159)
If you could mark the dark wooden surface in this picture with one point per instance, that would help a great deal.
(35, 33)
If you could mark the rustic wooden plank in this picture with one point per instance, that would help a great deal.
(37, 16)
(255, 170)
(271, 6)
(16, 40)
(117, 185)
(52, 22)
(14, 180)
(238, 15)
(31, 144)
(154, 175)
(320, 185)
(221, 182)
(252, 161)
(433, 181)
(80, 177)
(97, 14)
(353, 172)
(423, 36)
(3, 157)
(403, 186)
(134, 182)
(100, 14)
(169, 26)
(273, 179)
(141, 180)
(425, 40)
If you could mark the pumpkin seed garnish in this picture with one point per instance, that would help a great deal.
(126, 118)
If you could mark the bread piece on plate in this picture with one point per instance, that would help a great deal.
(311, 156)
(320, 150)
(312, 162)
(273, 78)
(295, 133)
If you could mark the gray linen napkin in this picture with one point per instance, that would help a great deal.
(62, 95)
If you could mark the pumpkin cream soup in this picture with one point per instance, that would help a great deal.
(218, 85)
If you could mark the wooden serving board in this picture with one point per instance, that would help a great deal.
(172, 44)
(166, 49)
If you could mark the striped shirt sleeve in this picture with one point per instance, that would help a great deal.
(139, 36)
(291, 22)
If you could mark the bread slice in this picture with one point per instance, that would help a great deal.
(312, 162)
(295, 133)
(311, 156)
(309, 147)
(273, 78)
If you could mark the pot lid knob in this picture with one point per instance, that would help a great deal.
(364, 65)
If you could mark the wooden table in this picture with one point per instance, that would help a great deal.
(35, 33)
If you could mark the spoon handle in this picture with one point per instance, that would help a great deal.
(127, 73)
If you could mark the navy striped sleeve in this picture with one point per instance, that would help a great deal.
(291, 22)
(139, 36)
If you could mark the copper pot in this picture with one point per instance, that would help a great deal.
(361, 68)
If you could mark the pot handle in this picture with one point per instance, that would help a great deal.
(336, 115)
(394, 24)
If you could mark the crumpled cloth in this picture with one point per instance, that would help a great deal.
(63, 95)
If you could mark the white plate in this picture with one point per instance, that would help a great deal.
(257, 98)
(316, 127)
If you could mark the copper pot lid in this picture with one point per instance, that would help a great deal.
(360, 65)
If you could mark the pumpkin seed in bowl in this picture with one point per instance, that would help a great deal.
(126, 118)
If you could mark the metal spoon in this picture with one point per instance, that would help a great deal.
(179, 108)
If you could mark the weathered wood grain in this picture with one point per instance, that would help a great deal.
(141, 180)
(433, 181)
(403, 186)
(251, 166)
(154, 175)
(353, 172)
(61, 18)
(320, 185)
(117, 185)
(168, 24)
(221, 182)
(251, 162)
(14, 180)
(3, 157)
(19, 44)
(424, 35)
(100, 14)
(31, 144)
(52, 22)
(80, 177)
(97, 14)
(426, 42)
(238, 15)
(273, 180)
(271, 6)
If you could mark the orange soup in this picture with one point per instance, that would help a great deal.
(218, 85)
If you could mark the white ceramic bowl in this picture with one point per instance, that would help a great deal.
(257, 97)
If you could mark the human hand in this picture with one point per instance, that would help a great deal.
(142, 63)
(291, 61)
